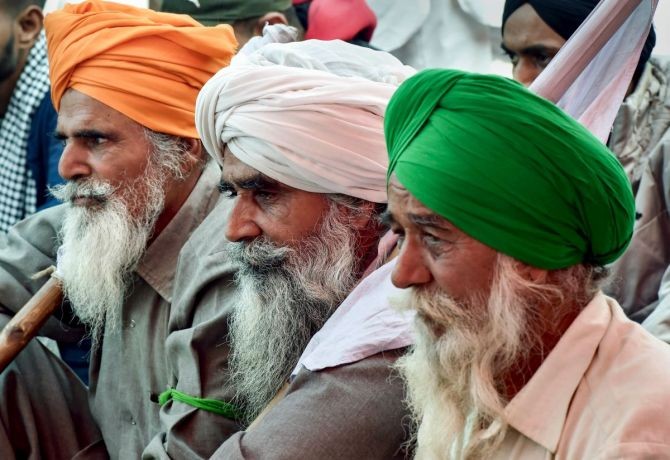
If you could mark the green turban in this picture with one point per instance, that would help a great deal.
(508, 168)
(213, 12)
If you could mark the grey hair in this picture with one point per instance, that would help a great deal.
(357, 206)
(170, 153)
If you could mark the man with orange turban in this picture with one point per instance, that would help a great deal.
(124, 81)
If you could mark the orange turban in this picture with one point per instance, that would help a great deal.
(149, 66)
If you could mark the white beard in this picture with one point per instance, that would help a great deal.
(286, 295)
(454, 380)
(102, 245)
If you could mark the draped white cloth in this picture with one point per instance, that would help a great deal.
(591, 73)
(307, 114)
(364, 325)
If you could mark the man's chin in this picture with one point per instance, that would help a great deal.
(87, 202)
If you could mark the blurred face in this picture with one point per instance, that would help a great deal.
(434, 254)
(266, 208)
(530, 43)
(8, 52)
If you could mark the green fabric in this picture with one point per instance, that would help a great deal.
(509, 168)
(213, 12)
(210, 405)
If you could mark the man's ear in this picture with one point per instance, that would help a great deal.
(195, 154)
(365, 216)
(273, 17)
(533, 274)
(28, 25)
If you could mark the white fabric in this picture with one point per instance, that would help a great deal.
(307, 114)
(455, 34)
(591, 73)
(364, 325)
(602, 393)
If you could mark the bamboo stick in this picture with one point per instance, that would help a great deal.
(27, 322)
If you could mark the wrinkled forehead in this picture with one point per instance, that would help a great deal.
(403, 205)
(78, 111)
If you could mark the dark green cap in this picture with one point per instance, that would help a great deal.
(213, 12)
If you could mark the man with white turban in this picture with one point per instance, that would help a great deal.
(298, 131)
(124, 82)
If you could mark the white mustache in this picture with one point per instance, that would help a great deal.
(68, 192)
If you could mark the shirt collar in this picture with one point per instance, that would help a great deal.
(159, 264)
(539, 410)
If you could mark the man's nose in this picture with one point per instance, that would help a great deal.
(74, 163)
(241, 225)
(525, 72)
(410, 269)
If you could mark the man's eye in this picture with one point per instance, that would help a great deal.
(227, 191)
(265, 196)
(513, 57)
(431, 240)
(96, 141)
(543, 60)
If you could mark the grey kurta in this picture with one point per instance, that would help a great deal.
(641, 140)
(354, 411)
(159, 345)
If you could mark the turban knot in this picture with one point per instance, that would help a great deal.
(509, 168)
(307, 114)
(147, 65)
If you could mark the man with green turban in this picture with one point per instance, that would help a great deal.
(507, 211)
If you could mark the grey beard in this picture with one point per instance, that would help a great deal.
(286, 296)
(102, 245)
(454, 376)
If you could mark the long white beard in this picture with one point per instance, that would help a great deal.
(286, 295)
(453, 377)
(102, 245)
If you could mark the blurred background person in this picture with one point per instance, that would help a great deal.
(29, 153)
(460, 34)
(247, 18)
(532, 34)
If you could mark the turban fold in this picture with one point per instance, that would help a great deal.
(147, 65)
(213, 12)
(509, 169)
(307, 114)
(565, 16)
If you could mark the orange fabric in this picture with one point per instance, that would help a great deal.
(149, 66)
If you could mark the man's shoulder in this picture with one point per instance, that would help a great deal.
(623, 397)
(351, 411)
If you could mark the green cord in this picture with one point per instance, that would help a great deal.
(210, 405)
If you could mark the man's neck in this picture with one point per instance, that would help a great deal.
(175, 201)
(549, 337)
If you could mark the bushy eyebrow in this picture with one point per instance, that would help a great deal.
(83, 134)
(255, 182)
(531, 50)
(430, 220)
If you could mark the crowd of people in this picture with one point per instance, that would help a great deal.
(275, 241)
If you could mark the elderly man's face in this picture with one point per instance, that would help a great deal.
(265, 207)
(434, 253)
(530, 43)
(101, 144)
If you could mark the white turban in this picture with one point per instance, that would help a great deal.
(308, 114)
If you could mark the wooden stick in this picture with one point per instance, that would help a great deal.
(278, 397)
(27, 322)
